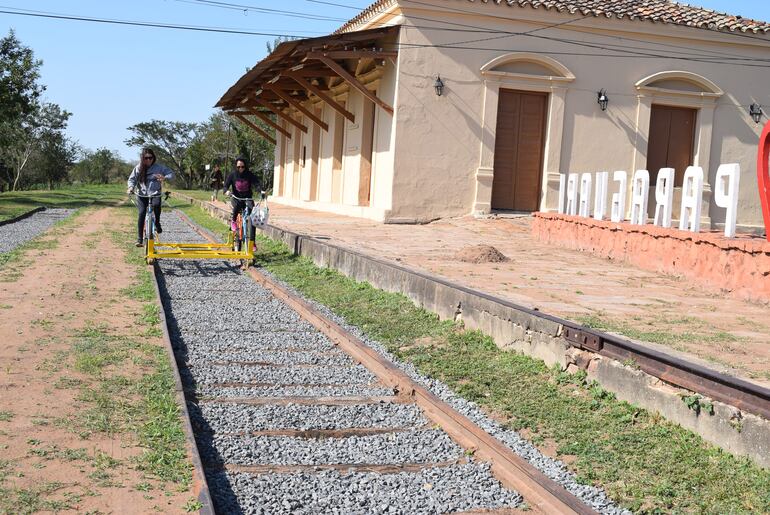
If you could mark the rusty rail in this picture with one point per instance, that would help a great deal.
(199, 477)
(745, 395)
(543, 494)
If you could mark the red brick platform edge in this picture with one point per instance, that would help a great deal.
(736, 266)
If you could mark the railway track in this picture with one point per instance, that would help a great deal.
(295, 413)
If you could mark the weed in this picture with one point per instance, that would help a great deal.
(697, 404)
(6, 416)
(192, 505)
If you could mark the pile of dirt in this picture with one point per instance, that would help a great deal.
(480, 254)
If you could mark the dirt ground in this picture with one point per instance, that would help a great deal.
(617, 297)
(47, 461)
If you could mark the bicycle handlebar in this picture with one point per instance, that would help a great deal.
(240, 198)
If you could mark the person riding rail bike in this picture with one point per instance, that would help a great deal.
(240, 183)
(146, 180)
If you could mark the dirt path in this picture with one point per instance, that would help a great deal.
(58, 452)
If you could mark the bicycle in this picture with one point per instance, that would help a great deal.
(242, 228)
(149, 223)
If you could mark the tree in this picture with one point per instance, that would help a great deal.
(170, 140)
(19, 100)
(53, 159)
(38, 131)
(100, 167)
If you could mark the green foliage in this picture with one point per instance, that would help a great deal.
(170, 140)
(102, 166)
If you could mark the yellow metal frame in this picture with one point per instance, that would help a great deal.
(162, 249)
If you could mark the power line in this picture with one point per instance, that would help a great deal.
(457, 46)
(37, 14)
(265, 10)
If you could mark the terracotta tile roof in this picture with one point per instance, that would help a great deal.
(659, 11)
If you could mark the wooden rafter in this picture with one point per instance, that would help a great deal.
(347, 77)
(299, 107)
(268, 121)
(256, 128)
(280, 113)
(323, 96)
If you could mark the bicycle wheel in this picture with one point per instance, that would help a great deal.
(149, 220)
(238, 234)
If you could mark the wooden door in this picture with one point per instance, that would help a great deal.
(671, 141)
(519, 146)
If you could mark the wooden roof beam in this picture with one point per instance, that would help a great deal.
(347, 77)
(262, 116)
(299, 107)
(323, 96)
(280, 113)
(256, 128)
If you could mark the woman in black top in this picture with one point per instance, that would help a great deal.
(242, 182)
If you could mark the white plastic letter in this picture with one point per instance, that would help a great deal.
(726, 194)
(618, 213)
(562, 192)
(600, 195)
(664, 197)
(692, 192)
(572, 183)
(640, 192)
(585, 195)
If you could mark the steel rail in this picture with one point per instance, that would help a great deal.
(199, 477)
(733, 391)
(542, 493)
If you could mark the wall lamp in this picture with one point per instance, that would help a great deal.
(438, 85)
(602, 99)
(755, 110)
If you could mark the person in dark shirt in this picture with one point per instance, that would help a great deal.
(241, 183)
(216, 182)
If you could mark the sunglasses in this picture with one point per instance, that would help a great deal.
(241, 167)
(148, 158)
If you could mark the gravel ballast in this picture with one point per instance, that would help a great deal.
(236, 418)
(18, 233)
(205, 301)
(451, 489)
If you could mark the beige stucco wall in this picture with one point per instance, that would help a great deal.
(442, 143)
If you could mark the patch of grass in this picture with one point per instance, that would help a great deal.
(664, 330)
(38, 498)
(6, 416)
(14, 203)
(645, 463)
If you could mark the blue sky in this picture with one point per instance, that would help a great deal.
(112, 76)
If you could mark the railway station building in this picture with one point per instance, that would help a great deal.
(421, 109)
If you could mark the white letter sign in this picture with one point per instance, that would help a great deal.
(692, 192)
(726, 194)
(640, 192)
(618, 213)
(572, 180)
(600, 198)
(664, 197)
(585, 195)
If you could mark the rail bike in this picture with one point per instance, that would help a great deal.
(239, 244)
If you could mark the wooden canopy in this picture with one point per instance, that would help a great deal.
(304, 69)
